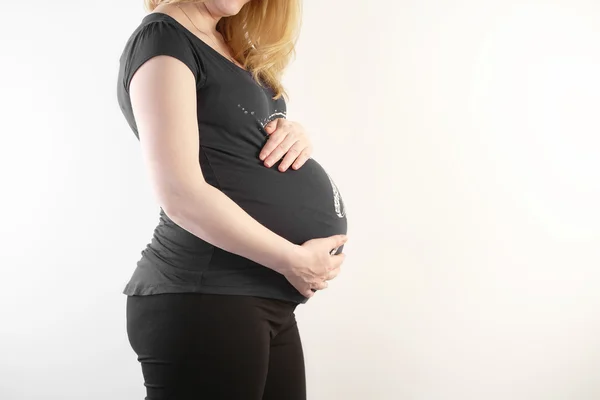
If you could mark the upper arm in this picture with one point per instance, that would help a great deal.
(161, 74)
(163, 100)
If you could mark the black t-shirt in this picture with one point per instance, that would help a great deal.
(233, 110)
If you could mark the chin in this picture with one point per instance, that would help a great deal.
(228, 8)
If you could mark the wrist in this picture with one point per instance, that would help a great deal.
(288, 258)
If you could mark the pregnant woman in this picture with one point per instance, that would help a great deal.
(250, 226)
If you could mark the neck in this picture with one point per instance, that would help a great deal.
(202, 17)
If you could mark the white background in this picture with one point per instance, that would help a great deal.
(463, 135)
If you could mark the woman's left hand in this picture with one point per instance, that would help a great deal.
(289, 138)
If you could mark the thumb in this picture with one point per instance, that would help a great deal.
(270, 127)
(338, 240)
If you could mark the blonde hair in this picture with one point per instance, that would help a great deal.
(262, 35)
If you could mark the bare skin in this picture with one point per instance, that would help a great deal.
(165, 114)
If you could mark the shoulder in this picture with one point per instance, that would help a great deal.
(161, 26)
(160, 34)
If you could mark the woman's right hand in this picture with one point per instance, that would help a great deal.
(312, 264)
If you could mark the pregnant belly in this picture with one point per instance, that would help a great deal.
(298, 205)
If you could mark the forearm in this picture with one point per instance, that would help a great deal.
(209, 214)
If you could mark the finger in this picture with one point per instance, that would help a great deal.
(337, 260)
(337, 240)
(305, 155)
(273, 143)
(321, 285)
(271, 126)
(333, 273)
(291, 155)
(281, 149)
(276, 137)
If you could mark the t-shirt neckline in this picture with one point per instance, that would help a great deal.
(210, 48)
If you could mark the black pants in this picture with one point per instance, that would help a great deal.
(199, 346)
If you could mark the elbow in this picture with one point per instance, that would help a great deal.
(179, 203)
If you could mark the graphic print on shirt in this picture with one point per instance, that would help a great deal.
(338, 202)
(264, 121)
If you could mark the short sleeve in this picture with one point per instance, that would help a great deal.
(160, 38)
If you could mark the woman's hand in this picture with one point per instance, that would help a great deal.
(313, 264)
(289, 138)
